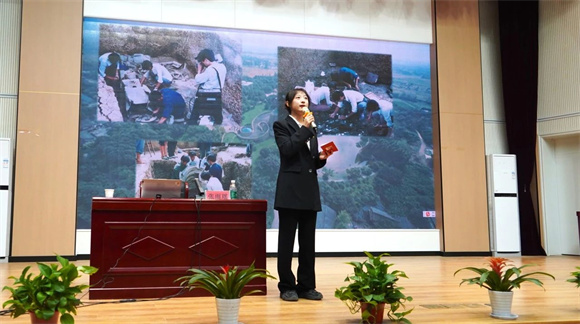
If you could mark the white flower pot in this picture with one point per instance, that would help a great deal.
(501, 304)
(228, 310)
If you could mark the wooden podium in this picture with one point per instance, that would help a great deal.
(141, 245)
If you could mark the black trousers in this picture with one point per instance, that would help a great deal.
(289, 220)
(171, 146)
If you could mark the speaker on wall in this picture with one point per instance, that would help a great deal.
(163, 188)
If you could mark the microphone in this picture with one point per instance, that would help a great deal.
(306, 113)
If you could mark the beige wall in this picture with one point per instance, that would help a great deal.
(559, 124)
(462, 155)
(44, 212)
(558, 67)
(46, 167)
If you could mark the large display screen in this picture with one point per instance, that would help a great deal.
(162, 101)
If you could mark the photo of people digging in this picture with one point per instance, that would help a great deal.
(167, 76)
(341, 85)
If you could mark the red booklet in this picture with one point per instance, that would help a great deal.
(329, 147)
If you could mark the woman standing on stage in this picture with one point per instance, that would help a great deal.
(297, 196)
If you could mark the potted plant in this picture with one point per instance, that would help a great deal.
(500, 279)
(371, 287)
(227, 286)
(49, 293)
(576, 277)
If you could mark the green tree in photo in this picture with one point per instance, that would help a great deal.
(343, 220)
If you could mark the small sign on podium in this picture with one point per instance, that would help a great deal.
(217, 194)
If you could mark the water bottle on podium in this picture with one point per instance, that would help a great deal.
(233, 190)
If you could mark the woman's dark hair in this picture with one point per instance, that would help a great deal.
(291, 95)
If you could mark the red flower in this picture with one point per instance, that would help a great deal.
(226, 270)
(502, 276)
(497, 265)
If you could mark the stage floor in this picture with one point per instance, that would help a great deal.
(437, 296)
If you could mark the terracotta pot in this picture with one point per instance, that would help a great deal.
(377, 312)
(228, 310)
(36, 320)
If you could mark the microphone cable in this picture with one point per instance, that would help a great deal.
(107, 277)
(131, 300)
(5, 312)
(197, 234)
(197, 239)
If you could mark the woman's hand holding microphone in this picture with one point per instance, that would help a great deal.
(308, 118)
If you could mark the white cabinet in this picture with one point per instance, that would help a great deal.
(504, 215)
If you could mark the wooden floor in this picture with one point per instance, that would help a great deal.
(437, 297)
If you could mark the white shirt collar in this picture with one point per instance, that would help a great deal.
(296, 120)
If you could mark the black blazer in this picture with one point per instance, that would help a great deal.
(297, 185)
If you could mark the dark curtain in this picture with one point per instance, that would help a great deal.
(518, 25)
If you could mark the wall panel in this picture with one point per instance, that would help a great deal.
(495, 138)
(558, 59)
(567, 153)
(559, 125)
(50, 51)
(10, 40)
(199, 13)
(47, 143)
(463, 182)
(149, 10)
(401, 20)
(8, 117)
(329, 18)
(274, 15)
(493, 109)
(45, 186)
(396, 20)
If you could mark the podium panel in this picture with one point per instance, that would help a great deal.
(142, 245)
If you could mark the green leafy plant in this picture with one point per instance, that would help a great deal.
(373, 283)
(502, 276)
(48, 292)
(226, 285)
(576, 277)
